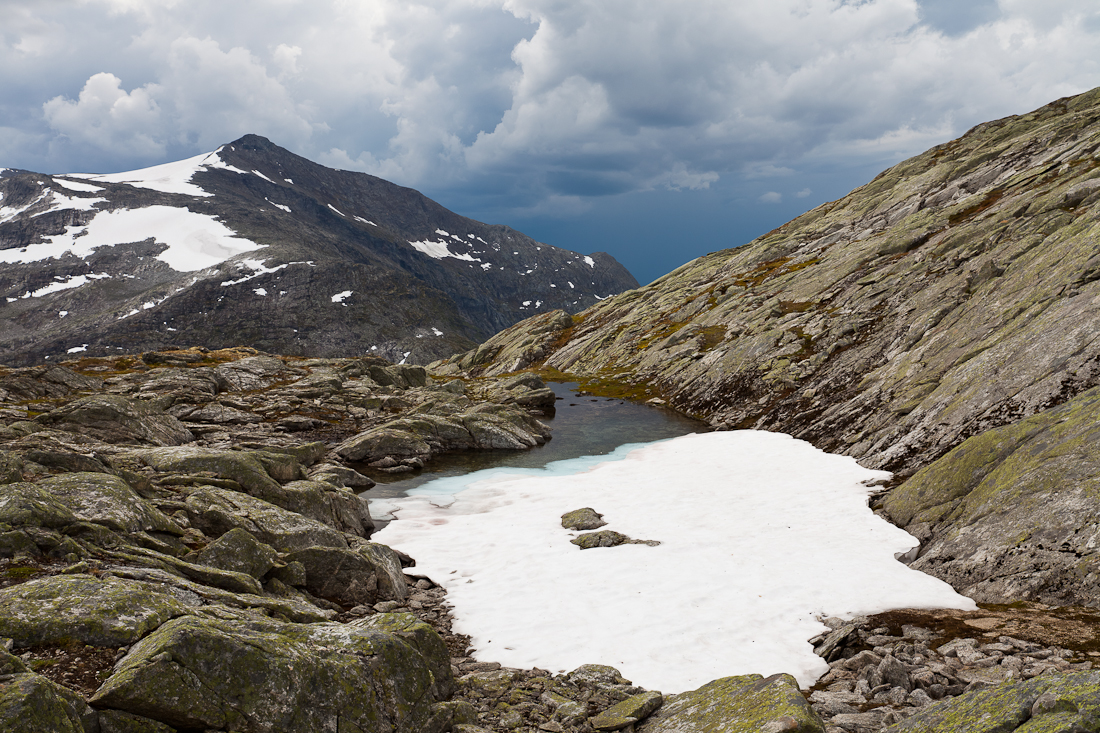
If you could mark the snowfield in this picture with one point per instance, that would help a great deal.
(761, 535)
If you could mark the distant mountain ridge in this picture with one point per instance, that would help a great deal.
(253, 245)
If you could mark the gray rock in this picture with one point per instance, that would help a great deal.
(254, 372)
(216, 511)
(582, 519)
(627, 712)
(238, 551)
(116, 721)
(342, 576)
(118, 419)
(744, 704)
(26, 504)
(36, 705)
(108, 500)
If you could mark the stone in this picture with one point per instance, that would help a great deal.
(11, 467)
(263, 675)
(238, 551)
(254, 372)
(742, 704)
(627, 712)
(42, 706)
(387, 568)
(25, 504)
(108, 500)
(339, 575)
(108, 613)
(244, 467)
(582, 519)
(597, 674)
(1054, 703)
(116, 721)
(216, 511)
(425, 640)
(118, 419)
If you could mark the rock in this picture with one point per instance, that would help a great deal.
(743, 704)
(342, 576)
(581, 519)
(254, 372)
(238, 551)
(387, 566)
(1010, 513)
(424, 639)
(262, 675)
(118, 419)
(42, 706)
(1056, 703)
(116, 721)
(627, 712)
(11, 467)
(219, 415)
(247, 468)
(108, 613)
(340, 476)
(603, 538)
(216, 511)
(25, 504)
(597, 674)
(107, 500)
(377, 443)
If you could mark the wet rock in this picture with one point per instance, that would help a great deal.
(118, 419)
(744, 704)
(607, 538)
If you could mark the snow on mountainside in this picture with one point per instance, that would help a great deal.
(254, 245)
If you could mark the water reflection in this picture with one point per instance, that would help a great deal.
(583, 426)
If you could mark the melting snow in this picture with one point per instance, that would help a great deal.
(340, 297)
(336, 210)
(760, 534)
(438, 250)
(278, 206)
(258, 268)
(62, 314)
(77, 349)
(365, 221)
(591, 262)
(195, 241)
(261, 175)
(168, 177)
(260, 291)
(289, 181)
(436, 331)
(74, 281)
(442, 233)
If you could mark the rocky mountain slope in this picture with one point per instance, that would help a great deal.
(955, 294)
(253, 245)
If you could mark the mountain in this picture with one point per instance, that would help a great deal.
(955, 295)
(253, 245)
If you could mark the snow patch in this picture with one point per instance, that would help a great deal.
(260, 291)
(261, 175)
(75, 186)
(77, 349)
(291, 182)
(341, 297)
(195, 241)
(761, 535)
(62, 314)
(591, 262)
(258, 268)
(436, 331)
(74, 281)
(365, 221)
(336, 210)
(438, 250)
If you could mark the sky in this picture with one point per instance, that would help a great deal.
(654, 130)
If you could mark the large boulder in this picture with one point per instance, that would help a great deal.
(61, 609)
(11, 467)
(254, 372)
(118, 419)
(1010, 514)
(30, 505)
(244, 467)
(33, 704)
(216, 511)
(267, 677)
(237, 551)
(1048, 703)
(341, 576)
(742, 704)
(107, 500)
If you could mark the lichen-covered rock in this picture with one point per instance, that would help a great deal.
(116, 721)
(387, 567)
(33, 704)
(343, 576)
(377, 443)
(60, 609)
(238, 551)
(26, 504)
(118, 419)
(216, 511)
(244, 467)
(107, 500)
(742, 704)
(582, 519)
(627, 712)
(254, 372)
(426, 641)
(1047, 704)
(1011, 513)
(11, 467)
(269, 677)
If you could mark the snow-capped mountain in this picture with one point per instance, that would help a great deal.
(253, 245)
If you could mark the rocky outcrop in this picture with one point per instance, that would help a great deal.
(956, 292)
(227, 583)
(1011, 513)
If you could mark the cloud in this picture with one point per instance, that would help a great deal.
(771, 197)
(535, 104)
(803, 193)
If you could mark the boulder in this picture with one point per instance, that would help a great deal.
(627, 712)
(107, 500)
(216, 511)
(244, 467)
(377, 443)
(424, 639)
(741, 704)
(34, 704)
(267, 677)
(11, 467)
(29, 505)
(581, 519)
(254, 372)
(59, 609)
(116, 721)
(1049, 703)
(387, 567)
(238, 551)
(118, 419)
(348, 577)
(195, 385)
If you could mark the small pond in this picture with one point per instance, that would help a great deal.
(584, 425)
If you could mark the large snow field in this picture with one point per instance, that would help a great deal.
(761, 535)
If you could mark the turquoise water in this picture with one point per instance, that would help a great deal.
(587, 431)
